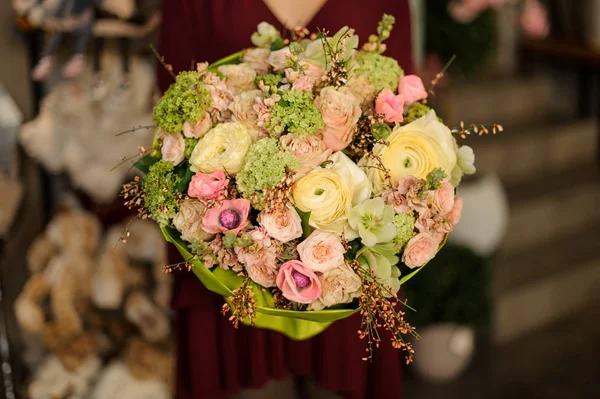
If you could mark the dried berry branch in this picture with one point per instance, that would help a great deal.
(241, 305)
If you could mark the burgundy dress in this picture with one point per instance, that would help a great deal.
(214, 359)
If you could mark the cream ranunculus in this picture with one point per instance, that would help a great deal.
(330, 193)
(413, 150)
(224, 148)
(238, 78)
(338, 285)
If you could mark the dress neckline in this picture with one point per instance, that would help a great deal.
(308, 23)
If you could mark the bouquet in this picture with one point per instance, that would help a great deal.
(297, 176)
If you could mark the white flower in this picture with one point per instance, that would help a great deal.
(330, 193)
(173, 148)
(265, 35)
(465, 164)
(282, 226)
(277, 58)
(413, 150)
(321, 251)
(338, 285)
(224, 148)
(238, 78)
(189, 221)
(257, 59)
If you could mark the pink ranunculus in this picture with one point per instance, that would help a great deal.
(442, 199)
(411, 89)
(454, 215)
(389, 105)
(283, 226)
(298, 283)
(231, 215)
(208, 186)
(198, 129)
(420, 250)
(173, 148)
(534, 20)
(341, 112)
(321, 251)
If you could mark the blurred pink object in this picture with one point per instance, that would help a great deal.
(466, 11)
(534, 20)
(411, 89)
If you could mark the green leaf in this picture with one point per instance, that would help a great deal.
(144, 163)
(186, 175)
(353, 251)
(306, 228)
(277, 44)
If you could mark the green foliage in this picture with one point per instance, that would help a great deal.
(472, 43)
(415, 111)
(145, 162)
(161, 201)
(190, 144)
(295, 113)
(186, 100)
(265, 166)
(306, 227)
(452, 288)
(405, 226)
(381, 131)
(271, 80)
(435, 178)
(381, 71)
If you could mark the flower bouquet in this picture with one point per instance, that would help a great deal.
(296, 176)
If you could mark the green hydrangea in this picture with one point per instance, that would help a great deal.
(295, 113)
(381, 71)
(405, 226)
(271, 80)
(265, 166)
(416, 111)
(186, 100)
(161, 198)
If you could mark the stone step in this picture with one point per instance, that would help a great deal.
(540, 285)
(552, 205)
(517, 154)
(507, 101)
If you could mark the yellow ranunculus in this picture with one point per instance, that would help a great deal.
(413, 150)
(223, 148)
(330, 193)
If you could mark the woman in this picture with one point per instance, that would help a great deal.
(214, 359)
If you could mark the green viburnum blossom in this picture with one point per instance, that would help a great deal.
(265, 166)
(161, 199)
(374, 222)
(231, 240)
(271, 80)
(381, 71)
(295, 113)
(186, 100)
(415, 111)
(405, 226)
(382, 260)
(265, 35)
(435, 179)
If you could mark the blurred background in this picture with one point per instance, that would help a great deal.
(509, 308)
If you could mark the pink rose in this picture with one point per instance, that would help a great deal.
(420, 250)
(321, 251)
(260, 258)
(198, 129)
(298, 283)
(283, 226)
(454, 215)
(309, 150)
(411, 89)
(208, 186)
(442, 199)
(534, 20)
(303, 83)
(231, 215)
(341, 112)
(391, 106)
(173, 148)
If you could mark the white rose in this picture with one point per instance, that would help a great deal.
(330, 193)
(321, 251)
(309, 150)
(173, 148)
(189, 221)
(242, 106)
(238, 78)
(413, 150)
(257, 59)
(282, 226)
(224, 148)
(338, 285)
(277, 58)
